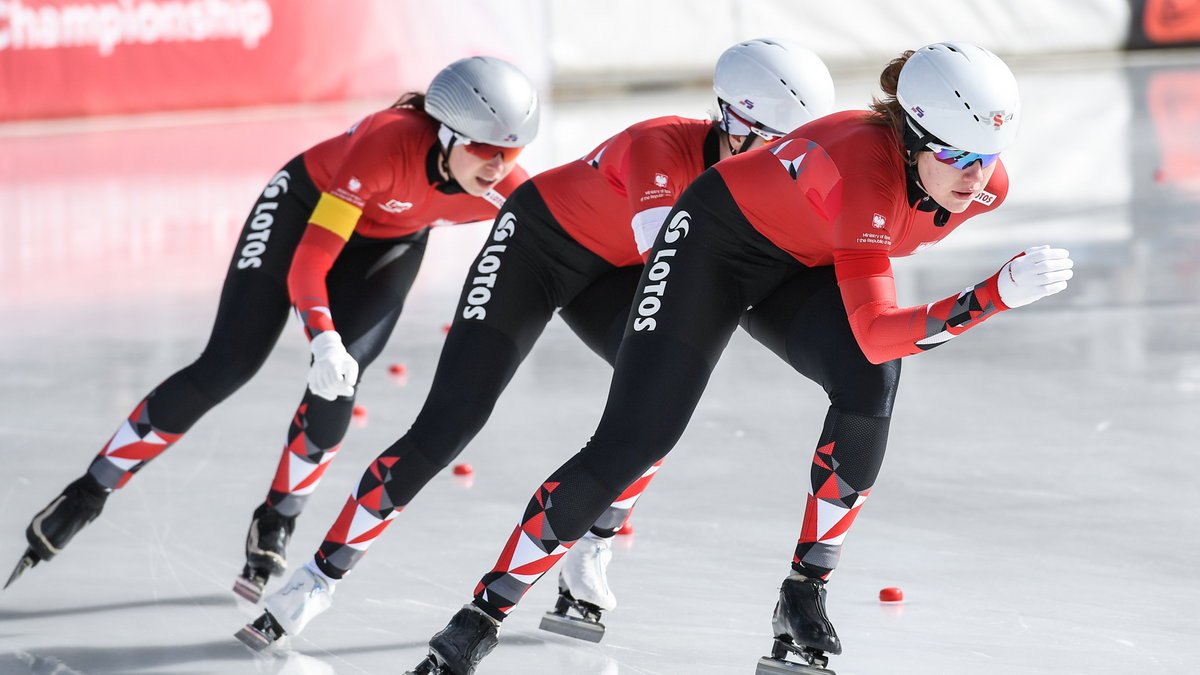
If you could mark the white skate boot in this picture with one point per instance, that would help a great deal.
(584, 572)
(583, 586)
(306, 594)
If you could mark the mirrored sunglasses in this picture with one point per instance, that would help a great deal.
(961, 159)
(767, 135)
(486, 150)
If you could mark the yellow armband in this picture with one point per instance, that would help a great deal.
(336, 215)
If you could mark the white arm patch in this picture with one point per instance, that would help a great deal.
(646, 225)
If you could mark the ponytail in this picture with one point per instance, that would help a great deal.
(886, 112)
(413, 99)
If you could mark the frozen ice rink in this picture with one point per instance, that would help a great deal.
(1039, 504)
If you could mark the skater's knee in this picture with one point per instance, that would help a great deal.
(440, 440)
(410, 467)
(867, 391)
(216, 375)
(617, 471)
(435, 457)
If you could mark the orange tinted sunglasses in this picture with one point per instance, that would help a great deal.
(486, 150)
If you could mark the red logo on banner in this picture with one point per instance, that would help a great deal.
(1170, 21)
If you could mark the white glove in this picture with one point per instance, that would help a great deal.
(1034, 274)
(334, 372)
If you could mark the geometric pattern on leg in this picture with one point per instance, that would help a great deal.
(300, 468)
(830, 510)
(615, 517)
(844, 469)
(364, 517)
(529, 553)
(135, 442)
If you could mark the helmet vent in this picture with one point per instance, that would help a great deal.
(936, 77)
(485, 99)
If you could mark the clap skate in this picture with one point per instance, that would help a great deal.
(55, 525)
(262, 633)
(288, 610)
(801, 629)
(459, 647)
(266, 551)
(582, 587)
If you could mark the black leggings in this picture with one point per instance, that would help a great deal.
(367, 287)
(707, 267)
(528, 268)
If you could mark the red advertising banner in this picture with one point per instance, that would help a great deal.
(1173, 100)
(61, 58)
(1162, 23)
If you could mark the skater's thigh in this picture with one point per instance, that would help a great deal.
(368, 286)
(599, 312)
(804, 322)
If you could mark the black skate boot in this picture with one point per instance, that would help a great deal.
(801, 628)
(266, 551)
(461, 645)
(55, 525)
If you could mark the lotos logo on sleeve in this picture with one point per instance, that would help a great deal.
(984, 197)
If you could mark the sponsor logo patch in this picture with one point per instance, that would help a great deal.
(998, 118)
(984, 197)
(396, 206)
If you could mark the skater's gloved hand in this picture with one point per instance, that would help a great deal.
(1034, 274)
(333, 372)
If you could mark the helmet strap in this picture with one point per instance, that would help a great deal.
(731, 121)
(917, 139)
(446, 138)
(747, 140)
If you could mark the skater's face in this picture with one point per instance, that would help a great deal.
(478, 167)
(952, 187)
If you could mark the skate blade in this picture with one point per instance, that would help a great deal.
(255, 639)
(580, 629)
(248, 589)
(261, 633)
(427, 667)
(28, 560)
(772, 666)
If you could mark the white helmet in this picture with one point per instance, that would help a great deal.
(963, 95)
(775, 83)
(485, 99)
